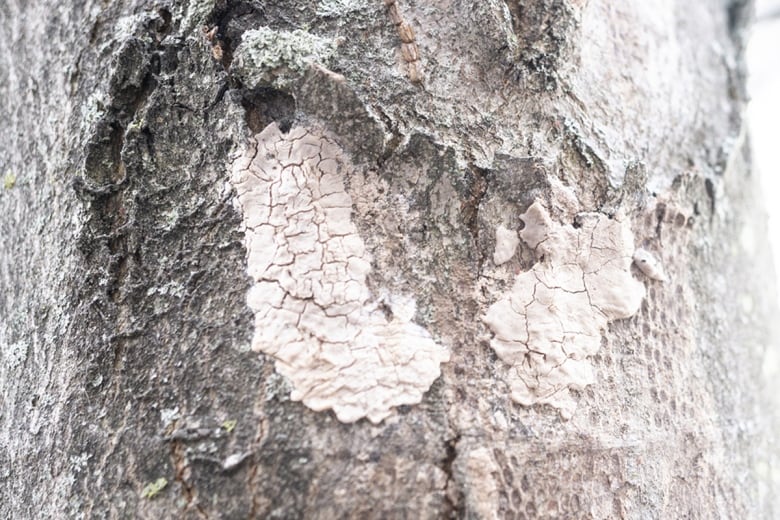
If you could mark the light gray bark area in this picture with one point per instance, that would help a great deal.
(124, 329)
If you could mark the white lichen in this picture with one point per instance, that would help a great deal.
(506, 245)
(169, 415)
(267, 57)
(482, 490)
(333, 8)
(649, 265)
(340, 348)
(14, 354)
(231, 462)
(553, 318)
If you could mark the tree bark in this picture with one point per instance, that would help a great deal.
(473, 145)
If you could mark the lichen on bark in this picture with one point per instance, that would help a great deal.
(341, 347)
(552, 320)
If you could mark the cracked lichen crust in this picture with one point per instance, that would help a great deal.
(340, 348)
(553, 318)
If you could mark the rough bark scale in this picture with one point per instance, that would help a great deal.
(125, 332)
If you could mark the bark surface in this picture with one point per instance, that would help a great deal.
(129, 385)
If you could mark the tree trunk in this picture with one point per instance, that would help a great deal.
(366, 259)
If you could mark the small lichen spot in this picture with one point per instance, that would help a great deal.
(649, 265)
(229, 425)
(152, 489)
(9, 181)
(506, 245)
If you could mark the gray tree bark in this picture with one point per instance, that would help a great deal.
(129, 381)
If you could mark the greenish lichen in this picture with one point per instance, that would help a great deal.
(93, 110)
(336, 8)
(152, 489)
(136, 125)
(196, 13)
(9, 181)
(278, 58)
(229, 425)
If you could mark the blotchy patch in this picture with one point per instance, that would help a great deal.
(338, 345)
(482, 490)
(553, 318)
(506, 245)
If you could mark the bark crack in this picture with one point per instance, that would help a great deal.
(181, 475)
(453, 495)
(470, 207)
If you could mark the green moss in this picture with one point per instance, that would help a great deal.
(152, 489)
(9, 181)
(278, 58)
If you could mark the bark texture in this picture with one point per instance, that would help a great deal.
(128, 386)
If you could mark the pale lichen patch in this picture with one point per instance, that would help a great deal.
(506, 245)
(9, 181)
(483, 493)
(649, 265)
(267, 57)
(553, 318)
(152, 489)
(340, 7)
(313, 310)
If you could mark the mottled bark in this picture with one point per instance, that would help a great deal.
(129, 384)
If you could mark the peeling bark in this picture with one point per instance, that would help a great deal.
(129, 385)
